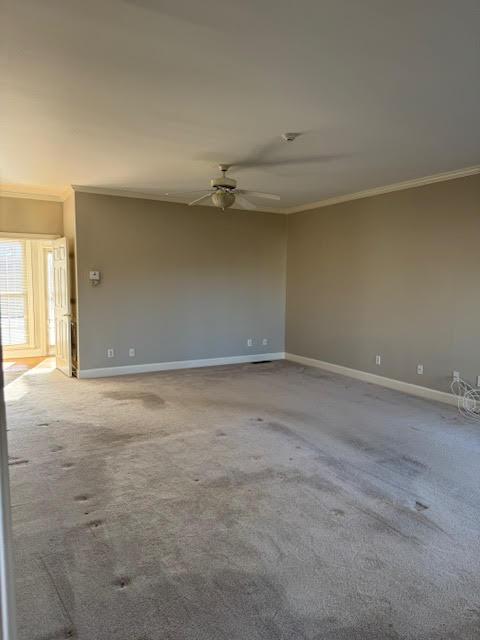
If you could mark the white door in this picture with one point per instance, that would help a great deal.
(63, 315)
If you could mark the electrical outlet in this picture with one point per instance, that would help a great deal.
(420, 369)
(378, 359)
(265, 342)
(131, 352)
(249, 342)
(456, 375)
(478, 381)
(110, 353)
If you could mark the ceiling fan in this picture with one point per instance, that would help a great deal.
(271, 155)
(224, 192)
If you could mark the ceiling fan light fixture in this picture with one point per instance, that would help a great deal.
(223, 192)
(223, 199)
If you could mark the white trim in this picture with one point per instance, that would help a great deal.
(43, 248)
(179, 364)
(27, 349)
(398, 186)
(35, 248)
(390, 383)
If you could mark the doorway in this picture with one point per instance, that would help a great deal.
(30, 288)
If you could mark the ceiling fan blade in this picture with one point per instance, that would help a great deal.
(258, 156)
(286, 162)
(185, 193)
(207, 195)
(244, 203)
(259, 194)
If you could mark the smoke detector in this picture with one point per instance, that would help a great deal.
(289, 137)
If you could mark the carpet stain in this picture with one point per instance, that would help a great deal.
(419, 506)
(112, 436)
(293, 436)
(237, 479)
(62, 634)
(16, 461)
(309, 372)
(148, 399)
(221, 597)
(279, 427)
(122, 582)
(371, 562)
(404, 464)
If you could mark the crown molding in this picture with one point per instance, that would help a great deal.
(367, 193)
(376, 191)
(124, 193)
(60, 195)
(34, 192)
(5, 193)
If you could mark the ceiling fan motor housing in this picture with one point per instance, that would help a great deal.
(223, 182)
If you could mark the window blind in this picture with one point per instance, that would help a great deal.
(14, 290)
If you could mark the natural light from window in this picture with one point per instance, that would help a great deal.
(13, 293)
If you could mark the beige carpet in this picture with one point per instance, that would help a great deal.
(252, 502)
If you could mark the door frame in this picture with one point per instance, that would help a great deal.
(35, 248)
(63, 306)
(43, 248)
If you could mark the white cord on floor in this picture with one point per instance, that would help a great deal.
(468, 399)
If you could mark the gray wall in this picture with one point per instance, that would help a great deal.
(25, 215)
(178, 283)
(396, 275)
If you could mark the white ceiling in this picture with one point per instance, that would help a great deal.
(149, 95)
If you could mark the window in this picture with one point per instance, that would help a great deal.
(15, 303)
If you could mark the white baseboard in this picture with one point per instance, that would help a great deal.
(390, 383)
(179, 364)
